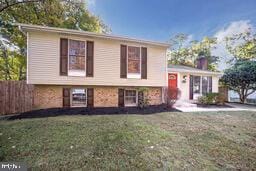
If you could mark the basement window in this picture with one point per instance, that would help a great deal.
(79, 97)
(130, 98)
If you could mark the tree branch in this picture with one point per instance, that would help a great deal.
(16, 3)
(250, 93)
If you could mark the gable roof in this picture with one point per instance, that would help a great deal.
(29, 27)
(187, 69)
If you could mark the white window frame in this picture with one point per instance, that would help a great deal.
(208, 83)
(201, 86)
(127, 104)
(133, 75)
(71, 96)
(77, 73)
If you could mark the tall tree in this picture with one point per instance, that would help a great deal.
(204, 48)
(241, 78)
(11, 62)
(180, 51)
(185, 52)
(56, 13)
(242, 46)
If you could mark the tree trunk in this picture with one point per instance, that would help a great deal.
(242, 96)
(242, 99)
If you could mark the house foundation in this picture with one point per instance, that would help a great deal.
(51, 96)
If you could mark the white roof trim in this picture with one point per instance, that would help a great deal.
(193, 71)
(28, 27)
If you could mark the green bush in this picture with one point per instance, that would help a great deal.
(211, 98)
(202, 100)
(143, 100)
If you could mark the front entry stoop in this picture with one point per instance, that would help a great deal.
(183, 103)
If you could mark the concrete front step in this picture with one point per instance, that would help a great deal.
(182, 103)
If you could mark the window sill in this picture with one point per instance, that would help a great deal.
(136, 76)
(78, 106)
(130, 105)
(76, 73)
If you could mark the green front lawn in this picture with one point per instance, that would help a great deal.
(222, 140)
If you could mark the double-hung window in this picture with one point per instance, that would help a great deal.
(76, 58)
(134, 62)
(130, 98)
(79, 97)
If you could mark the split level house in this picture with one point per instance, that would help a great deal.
(71, 68)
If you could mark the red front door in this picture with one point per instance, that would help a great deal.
(172, 86)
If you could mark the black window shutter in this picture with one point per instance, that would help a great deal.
(89, 58)
(123, 61)
(90, 97)
(191, 87)
(120, 97)
(144, 63)
(66, 97)
(63, 56)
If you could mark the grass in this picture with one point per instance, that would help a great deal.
(193, 141)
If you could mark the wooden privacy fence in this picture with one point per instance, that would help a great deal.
(15, 97)
(224, 92)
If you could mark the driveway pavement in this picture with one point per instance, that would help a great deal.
(233, 107)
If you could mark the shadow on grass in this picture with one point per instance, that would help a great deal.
(42, 113)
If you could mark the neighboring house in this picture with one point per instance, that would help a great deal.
(83, 69)
(192, 82)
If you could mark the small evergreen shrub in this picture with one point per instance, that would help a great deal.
(202, 100)
(143, 100)
(211, 98)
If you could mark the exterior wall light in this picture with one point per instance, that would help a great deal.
(184, 79)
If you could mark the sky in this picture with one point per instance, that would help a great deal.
(160, 20)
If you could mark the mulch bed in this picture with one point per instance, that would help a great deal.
(91, 111)
(213, 106)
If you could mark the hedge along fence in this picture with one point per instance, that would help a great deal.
(15, 97)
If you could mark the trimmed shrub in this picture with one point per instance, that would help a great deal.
(211, 98)
(202, 100)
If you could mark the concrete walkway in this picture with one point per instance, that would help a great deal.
(243, 106)
(234, 107)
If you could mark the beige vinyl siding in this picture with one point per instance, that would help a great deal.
(43, 62)
(215, 84)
